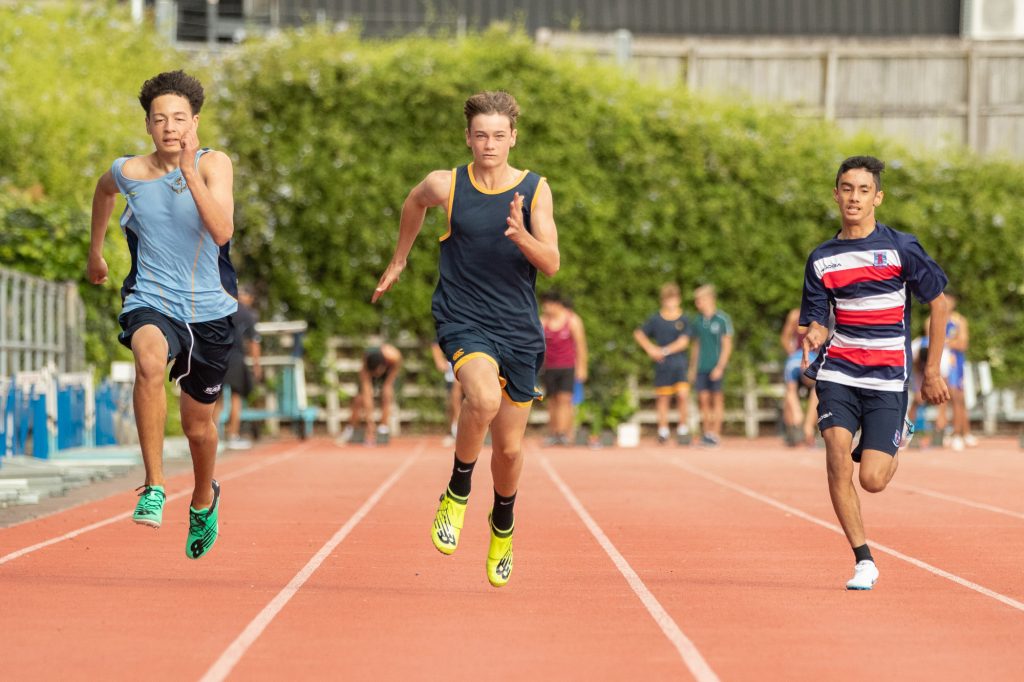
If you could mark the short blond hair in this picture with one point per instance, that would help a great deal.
(492, 102)
(705, 290)
(669, 289)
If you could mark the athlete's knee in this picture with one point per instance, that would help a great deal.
(873, 481)
(149, 366)
(198, 428)
(484, 404)
(507, 454)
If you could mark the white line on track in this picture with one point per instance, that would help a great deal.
(934, 570)
(700, 669)
(958, 500)
(223, 666)
(940, 496)
(126, 515)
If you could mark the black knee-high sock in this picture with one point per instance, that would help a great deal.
(501, 515)
(462, 478)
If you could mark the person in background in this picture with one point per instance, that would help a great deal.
(565, 363)
(240, 378)
(454, 393)
(378, 374)
(799, 424)
(664, 337)
(712, 346)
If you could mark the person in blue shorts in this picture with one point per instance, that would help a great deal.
(665, 336)
(799, 425)
(712, 345)
(178, 297)
(865, 275)
(501, 232)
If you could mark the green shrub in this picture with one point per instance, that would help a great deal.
(330, 133)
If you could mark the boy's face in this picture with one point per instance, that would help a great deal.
(671, 301)
(857, 196)
(491, 137)
(705, 303)
(170, 117)
(552, 308)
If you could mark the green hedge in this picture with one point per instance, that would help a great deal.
(69, 80)
(330, 133)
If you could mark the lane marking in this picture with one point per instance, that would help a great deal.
(698, 667)
(753, 494)
(942, 496)
(223, 666)
(127, 515)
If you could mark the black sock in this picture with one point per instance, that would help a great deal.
(501, 514)
(862, 553)
(462, 478)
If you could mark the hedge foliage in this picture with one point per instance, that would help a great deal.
(330, 133)
(69, 80)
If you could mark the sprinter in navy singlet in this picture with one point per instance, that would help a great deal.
(180, 292)
(501, 231)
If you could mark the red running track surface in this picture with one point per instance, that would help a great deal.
(691, 564)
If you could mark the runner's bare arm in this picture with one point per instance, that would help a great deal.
(211, 187)
(540, 247)
(579, 336)
(433, 191)
(933, 386)
(102, 208)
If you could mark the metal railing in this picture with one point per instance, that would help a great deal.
(41, 324)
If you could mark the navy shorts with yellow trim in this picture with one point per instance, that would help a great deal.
(877, 414)
(517, 370)
(670, 374)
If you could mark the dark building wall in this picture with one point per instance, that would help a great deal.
(673, 17)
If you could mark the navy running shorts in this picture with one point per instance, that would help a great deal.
(878, 415)
(200, 350)
(670, 374)
(704, 383)
(517, 370)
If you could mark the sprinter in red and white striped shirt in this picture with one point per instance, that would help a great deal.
(864, 275)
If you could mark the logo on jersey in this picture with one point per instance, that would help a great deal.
(679, 325)
(458, 354)
(881, 259)
(179, 185)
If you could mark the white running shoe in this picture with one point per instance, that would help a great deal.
(970, 440)
(957, 443)
(865, 573)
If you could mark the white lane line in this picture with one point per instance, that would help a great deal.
(963, 582)
(940, 496)
(958, 500)
(126, 515)
(223, 666)
(700, 669)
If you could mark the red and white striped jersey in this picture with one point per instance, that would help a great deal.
(865, 283)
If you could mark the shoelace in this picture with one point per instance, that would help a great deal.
(152, 500)
(197, 520)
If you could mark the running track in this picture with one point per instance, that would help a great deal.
(660, 563)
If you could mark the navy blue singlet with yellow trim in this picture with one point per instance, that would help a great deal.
(486, 282)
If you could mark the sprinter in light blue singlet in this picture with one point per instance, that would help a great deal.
(180, 292)
(501, 232)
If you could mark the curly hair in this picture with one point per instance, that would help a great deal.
(172, 83)
(492, 102)
(868, 163)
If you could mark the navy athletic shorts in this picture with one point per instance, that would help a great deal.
(200, 350)
(517, 370)
(878, 415)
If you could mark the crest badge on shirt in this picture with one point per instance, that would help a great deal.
(881, 259)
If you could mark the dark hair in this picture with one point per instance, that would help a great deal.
(868, 163)
(172, 83)
(551, 296)
(492, 102)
